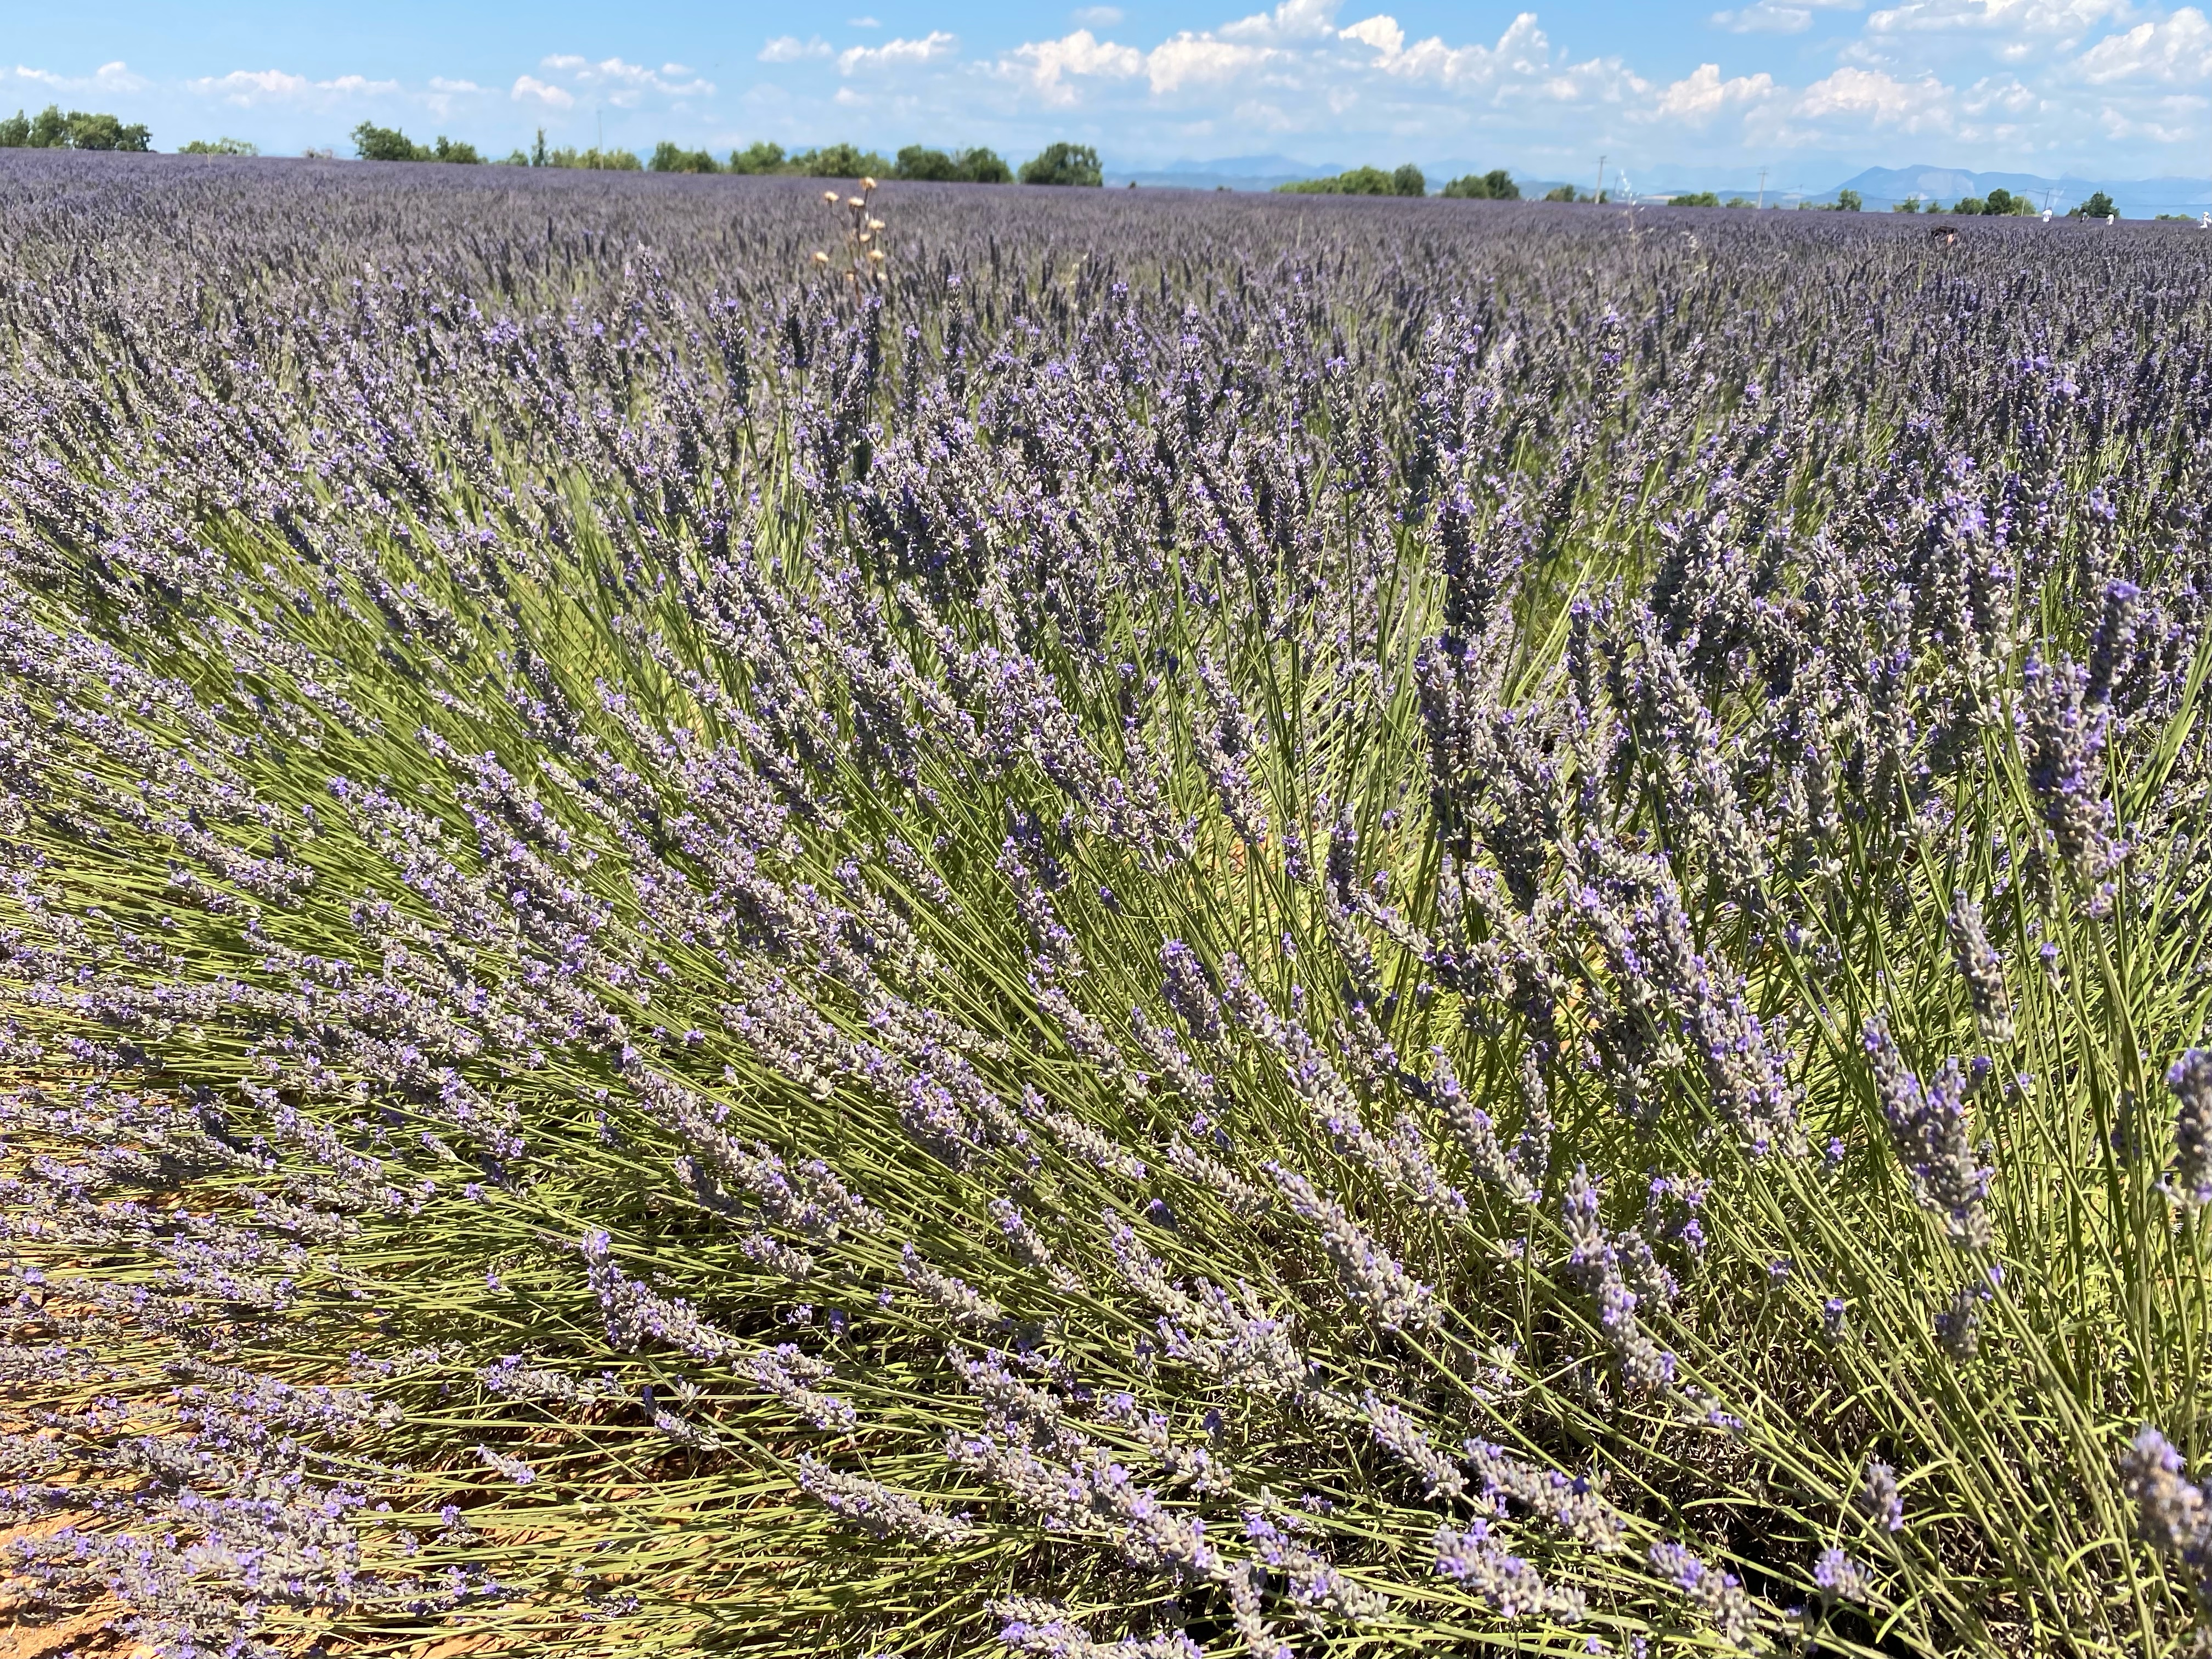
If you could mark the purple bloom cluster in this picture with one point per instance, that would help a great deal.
(1192, 849)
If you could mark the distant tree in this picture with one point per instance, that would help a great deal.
(1999, 201)
(105, 132)
(670, 158)
(1063, 164)
(594, 159)
(220, 147)
(840, 161)
(1698, 198)
(51, 130)
(1740, 201)
(1970, 206)
(967, 166)
(1408, 180)
(1910, 205)
(372, 143)
(1359, 181)
(762, 157)
(2098, 206)
(1562, 193)
(980, 166)
(448, 149)
(537, 150)
(1848, 201)
(1495, 185)
(919, 164)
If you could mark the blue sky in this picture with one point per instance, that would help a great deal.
(1809, 89)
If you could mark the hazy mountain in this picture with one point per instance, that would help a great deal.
(1880, 188)
(2136, 198)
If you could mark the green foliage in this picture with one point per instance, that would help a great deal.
(1910, 205)
(372, 143)
(1848, 201)
(1562, 193)
(1495, 185)
(839, 160)
(921, 164)
(1063, 164)
(220, 147)
(2098, 206)
(980, 166)
(593, 161)
(51, 130)
(670, 158)
(761, 157)
(1697, 198)
(1970, 206)
(1740, 201)
(1359, 181)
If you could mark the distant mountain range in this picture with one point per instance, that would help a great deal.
(1879, 188)
(2136, 198)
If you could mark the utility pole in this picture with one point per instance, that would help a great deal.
(1762, 189)
(1600, 196)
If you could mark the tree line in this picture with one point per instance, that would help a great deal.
(1495, 185)
(78, 130)
(1056, 164)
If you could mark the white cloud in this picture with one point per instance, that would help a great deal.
(863, 23)
(254, 88)
(1879, 99)
(622, 84)
(553, 97)
(897, 54)
(445, 94)
(1096, 18)
(790, 49)
(1044, 63)
(2042, 17)
(1777, 16)
(1292, 21)
(2176, 51)
(1380, 32)
(109, 77)
(1700, 96)
(1199, 59)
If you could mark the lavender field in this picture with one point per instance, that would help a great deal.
(1178, 925)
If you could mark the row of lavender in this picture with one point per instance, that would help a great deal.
(1249, 928)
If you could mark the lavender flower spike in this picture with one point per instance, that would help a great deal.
(2189, 1077)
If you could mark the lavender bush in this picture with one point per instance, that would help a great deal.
(1173, 926)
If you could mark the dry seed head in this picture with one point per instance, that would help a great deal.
(867, 183)
(854, 201)
(875, 254)
(830, 197)
(820, 257)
